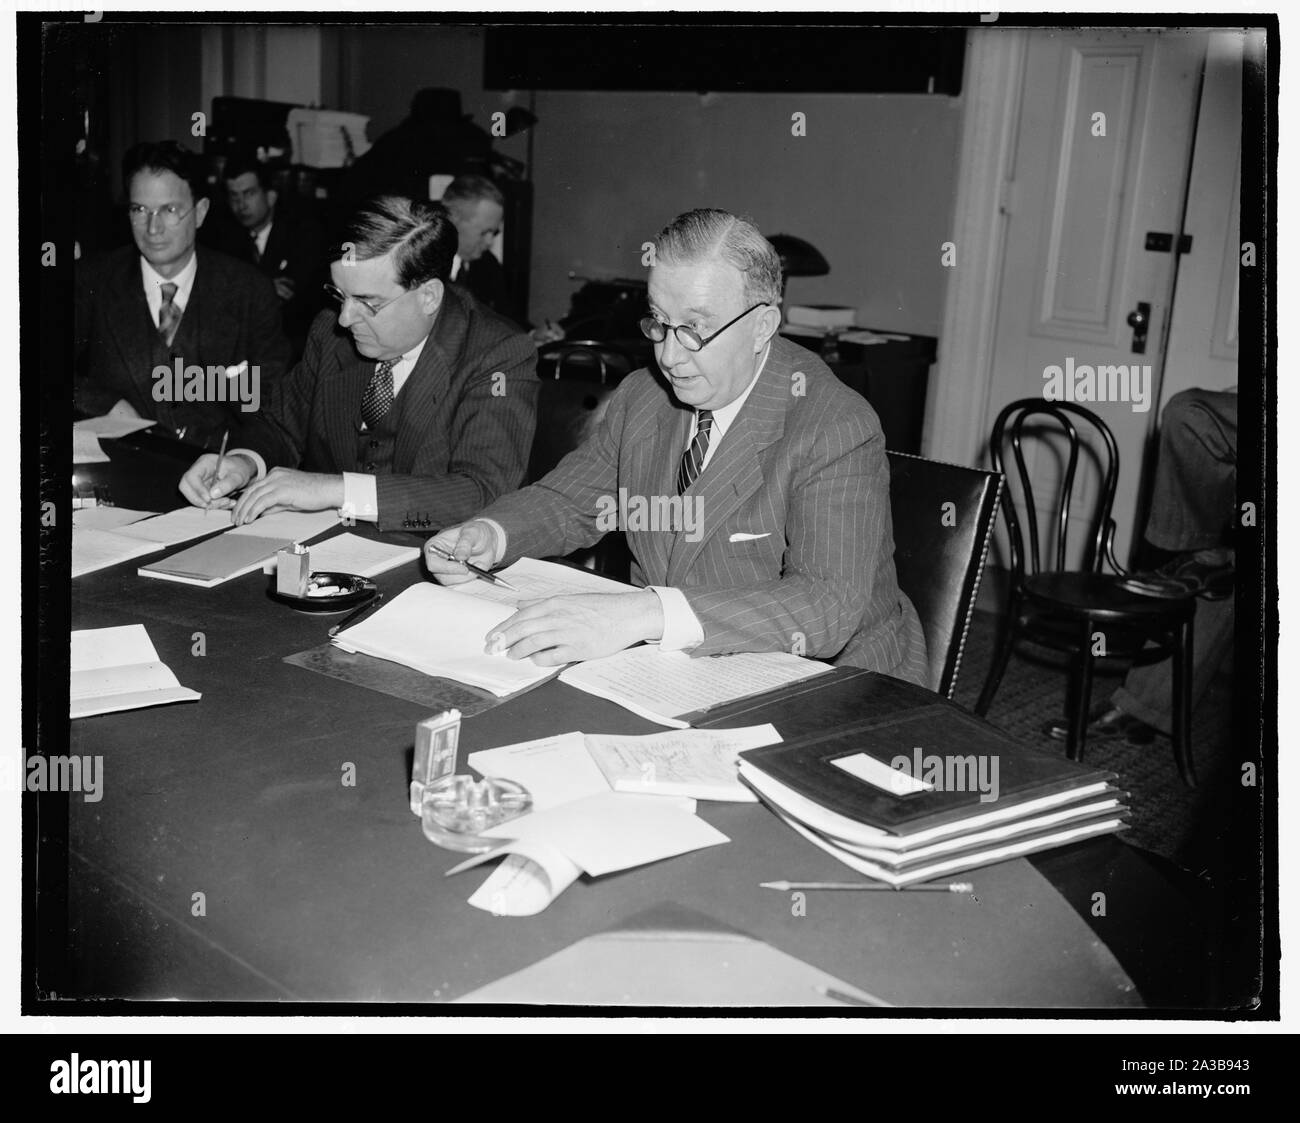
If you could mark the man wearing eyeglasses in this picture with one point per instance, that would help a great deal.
(412, 406)
(165, 305)
(784, 465)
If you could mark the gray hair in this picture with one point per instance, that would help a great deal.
(472, 188)
(706, 234)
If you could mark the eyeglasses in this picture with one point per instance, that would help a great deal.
(657, 331)
(170, 215)
(340, 297)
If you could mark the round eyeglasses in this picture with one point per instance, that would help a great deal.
(657, 331)
(170, 215)
(340, 298)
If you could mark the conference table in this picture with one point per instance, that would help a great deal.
(257, 845)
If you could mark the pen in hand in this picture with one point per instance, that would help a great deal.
(480, 573)
(216, 475)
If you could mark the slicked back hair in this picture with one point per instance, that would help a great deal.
(707, 234)
(420, 235)
(165, 156)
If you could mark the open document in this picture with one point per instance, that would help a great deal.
(118, 669)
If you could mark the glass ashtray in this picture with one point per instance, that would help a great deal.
(456, 810)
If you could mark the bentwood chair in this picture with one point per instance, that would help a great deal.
(1081, 612)
(939, 550)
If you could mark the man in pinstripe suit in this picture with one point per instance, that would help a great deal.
(786, 467)
(413, 416)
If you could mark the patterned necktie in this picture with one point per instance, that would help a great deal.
(693, 457)
(379, 394)
(169, 316)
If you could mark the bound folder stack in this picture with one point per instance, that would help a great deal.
(905, 787)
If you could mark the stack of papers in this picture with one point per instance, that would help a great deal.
(119, 669)
(672, 688)
(85, 436)
(104, 536)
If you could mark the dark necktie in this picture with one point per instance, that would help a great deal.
(169, 316)
(693, 457)
(379, 394)
(257, 254)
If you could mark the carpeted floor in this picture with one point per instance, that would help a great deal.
(1191, 826)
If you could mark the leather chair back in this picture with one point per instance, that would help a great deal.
(567, 411)
(939, 551)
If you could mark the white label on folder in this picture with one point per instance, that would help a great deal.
(878, 774)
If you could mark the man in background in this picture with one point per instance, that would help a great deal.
(164, 305)
(288, 247)
(413, 405)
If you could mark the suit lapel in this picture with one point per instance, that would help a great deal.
(346, 387)
(430, 381)
(131, 326)
(652, 470)
(735, 473)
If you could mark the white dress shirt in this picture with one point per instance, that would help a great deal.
(261, 237)
(456, 264)
(153, 282)
(360, 494)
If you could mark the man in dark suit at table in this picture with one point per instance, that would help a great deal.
(768, 475)
(184, 335)
(413, 405)
(288, 247)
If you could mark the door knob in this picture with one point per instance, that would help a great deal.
(1140, 321)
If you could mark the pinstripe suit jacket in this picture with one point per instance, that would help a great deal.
(806, 471)
(463, 435)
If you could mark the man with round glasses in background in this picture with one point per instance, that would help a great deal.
(412, 406)
(783, 464)
(164, 305)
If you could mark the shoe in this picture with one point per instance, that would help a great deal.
(1111, 722)
(1207, 574)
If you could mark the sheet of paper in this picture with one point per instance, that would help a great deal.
(350, 553)
(111, 427)
(177, 526)
(700, 763)
(664, 686)
(536, 579)
(94, 549)
(85, 448)
(530, 877)
(295, 526)
(555, 770)
(878, 774)
(119, 669)
(615, 831)
(106, 518)
(442, 633)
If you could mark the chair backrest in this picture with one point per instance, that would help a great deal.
(939, 551)
(1043, 418)
(586, 359)
(567, 411)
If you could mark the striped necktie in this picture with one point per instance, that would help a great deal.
(693, 457)
(169, 316)
(379, 394)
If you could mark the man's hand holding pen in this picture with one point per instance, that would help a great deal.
(213, 480)
(554, 630)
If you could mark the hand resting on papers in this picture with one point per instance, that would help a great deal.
(554, 630)
(283, 489)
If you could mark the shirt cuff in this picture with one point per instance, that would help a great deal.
(500, 532)
(360, 497)
(682, 628)
(255, 457)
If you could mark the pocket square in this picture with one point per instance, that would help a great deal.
(742, 536)
(236, 371)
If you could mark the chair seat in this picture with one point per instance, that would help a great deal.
(1141, 642)
(1098, 596)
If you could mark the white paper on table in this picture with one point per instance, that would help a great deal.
(119, 669)
(442, 633)
(106, 518)
(665, 686)
(616, 831)
(693, 762)
(555, 770)
(535, 579)
(865, 767)
(94, 549)
(111, 427)
(350, 553)
(532, 875)
(85, 448)
(177, 526)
